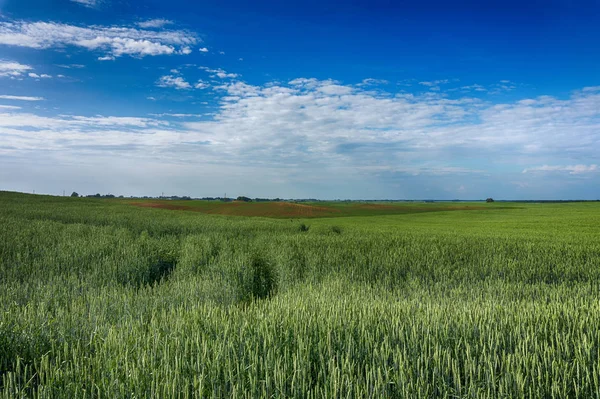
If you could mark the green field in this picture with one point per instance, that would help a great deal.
(104, 299)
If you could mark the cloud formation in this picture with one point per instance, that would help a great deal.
(87, 3)
(114, 41)
(176, 82)
(220, 73)
(12, 68)
(201, 85)
(571, 169)
(154, 23)
(434, 83)
(312, 131)
(36, 76)
(373, 82)
(20, 98)
(71, 66)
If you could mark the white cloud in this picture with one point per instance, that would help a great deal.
(335, 89)
(312, 119)
(225, 75)
(173, 81)
(201, 85)
(306, 82)
(434, 83)
(179, 83)
(106, 58)
(373, 82)
(12, 107)
(15, 70)
(333, 132)
(474, 87)
(71, 66)
(203, 50)
(220, 73)
(21, 98)
(70, 122)
(87, 3)
(36, 76)
(502, 87)
(434, 86)
(424, 170)
(114, 41)
(154, 23)
(177, 115)
(591, 89)
(101, 120)
(572, 169)
(12, 68)
(240, 89)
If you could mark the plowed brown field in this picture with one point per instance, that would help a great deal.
(295, 210)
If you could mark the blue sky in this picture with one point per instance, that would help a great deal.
(320, 99)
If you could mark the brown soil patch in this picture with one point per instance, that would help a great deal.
(238, 208)
(295, 210)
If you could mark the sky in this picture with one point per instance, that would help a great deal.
(320, 99)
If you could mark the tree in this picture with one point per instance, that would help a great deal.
(489, 200)
(245, 199)
(74, 194)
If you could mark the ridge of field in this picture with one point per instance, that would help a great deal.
(101, 299)
(284, 209)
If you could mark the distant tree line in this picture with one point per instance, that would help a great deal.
(102, 196)
(74, 194)
(175, 197)
(248, 199)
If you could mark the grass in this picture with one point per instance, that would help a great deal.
(103, 299)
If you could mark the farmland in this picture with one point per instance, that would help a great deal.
(285, 209)
(110, 298)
